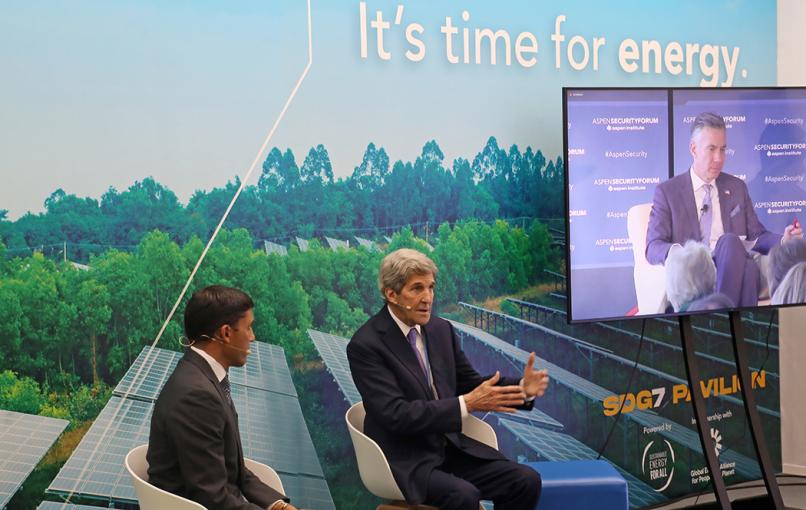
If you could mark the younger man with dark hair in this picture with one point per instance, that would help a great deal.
(195, 448)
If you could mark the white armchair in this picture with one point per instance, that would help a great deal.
(650, 281)
(373, 466)
(153, 498)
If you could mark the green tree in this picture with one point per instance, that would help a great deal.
(21, 394)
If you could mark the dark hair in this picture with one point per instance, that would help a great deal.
(211, 307)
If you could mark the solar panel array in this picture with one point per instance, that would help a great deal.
(680, 434)
(96, 467)
(271, 247)
(265, 369)
(24, 440)
(366, 243)
(337, 243)
(53, 505)
(302, 243)
(333, 351)
(272, 427)
(556, 446)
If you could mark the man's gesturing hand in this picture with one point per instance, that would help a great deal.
(534, 381)
(489, 397)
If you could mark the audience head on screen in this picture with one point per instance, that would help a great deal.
(708, 146)
(782, 258)
(690, 274)
(792, 289)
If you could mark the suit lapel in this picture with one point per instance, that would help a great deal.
(437, 360)
(205, 368)
(690, 208)
(725, 203)
(397, 344)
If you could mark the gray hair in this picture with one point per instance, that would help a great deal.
(782, 257)
(690, 274)
(706, 120)
(792, 289)
(398, 266)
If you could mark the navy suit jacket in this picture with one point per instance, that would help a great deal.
(194, 449)
(403, 417)
(674, 218)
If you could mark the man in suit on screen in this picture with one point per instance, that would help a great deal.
(707, 205)
(194, 448)
(417, 385)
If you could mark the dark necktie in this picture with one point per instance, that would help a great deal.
(412, 337)
(707, 216)
(225, 387)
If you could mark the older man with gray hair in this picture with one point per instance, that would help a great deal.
(690, 275)
(792, 289)
(417, 385)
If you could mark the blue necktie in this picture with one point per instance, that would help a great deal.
(707, 216)
(412, 338)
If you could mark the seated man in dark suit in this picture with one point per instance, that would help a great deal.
(714, 208)
(417, 385)
(194, 449)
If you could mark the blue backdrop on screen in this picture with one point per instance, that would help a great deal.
(618, 152)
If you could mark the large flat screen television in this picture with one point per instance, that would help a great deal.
(676, 197)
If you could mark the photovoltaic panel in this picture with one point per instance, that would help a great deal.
(333, 350)
(556, 446)
(53, 505)
(534, 417)
(273, 431)
(24, 440)
(308, 492)
(678, 433)
(265, 368)
(111, 437)
(335, 244)
(159, 365)
(366, 243)
(271, 247)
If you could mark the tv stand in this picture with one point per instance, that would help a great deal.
(773, 500)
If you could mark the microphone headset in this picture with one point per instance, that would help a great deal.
(216, 339)
(405, 307)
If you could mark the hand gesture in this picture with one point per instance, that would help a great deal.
(489, 397)
(792, 231)
(534, 382)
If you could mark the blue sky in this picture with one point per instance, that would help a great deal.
(99, 94)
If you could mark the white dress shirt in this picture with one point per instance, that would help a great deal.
(424, 354)
(717, 229)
